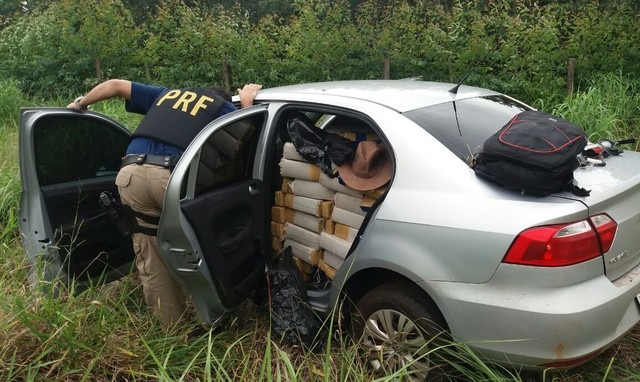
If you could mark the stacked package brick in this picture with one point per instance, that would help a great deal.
(317, 216)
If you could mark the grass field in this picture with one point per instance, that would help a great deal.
(106, 333)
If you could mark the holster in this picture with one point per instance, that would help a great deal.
(125, 218)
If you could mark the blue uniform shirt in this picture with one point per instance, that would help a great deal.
(142, 98)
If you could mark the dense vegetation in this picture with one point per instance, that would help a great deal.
(51, 50)
(65, 46)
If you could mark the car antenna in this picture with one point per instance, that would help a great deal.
(454, 90)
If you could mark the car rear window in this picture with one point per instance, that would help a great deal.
(462, 126)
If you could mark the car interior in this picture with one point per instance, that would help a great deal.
(310, 127)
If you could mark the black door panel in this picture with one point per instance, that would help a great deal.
(229, 226)
(88, 243)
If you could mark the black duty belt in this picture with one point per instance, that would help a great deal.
(166, 161)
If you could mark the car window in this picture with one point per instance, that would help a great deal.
(227, 155)
(68, 148)
(463, 126)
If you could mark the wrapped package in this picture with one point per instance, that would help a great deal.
(345, 232)
(279, 199)
(355, 136)
(347, 218)
(289, 152)
(301, 235)
(327, 269)
(304, 220)
(334, 244)
(299, 170)
(329, 226)
(377, 193)
(277, 229)
(348, 203)
(332, 259)
(309, 189)
(303, 204)
(335, 185)
(278, 214)
(367, 203)
(302, 252)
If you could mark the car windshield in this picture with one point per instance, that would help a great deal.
(463, 126)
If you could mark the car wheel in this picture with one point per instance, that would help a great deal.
(398, 329)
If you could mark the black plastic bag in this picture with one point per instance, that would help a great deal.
(317, 146)
(340, 149)
(292, 318)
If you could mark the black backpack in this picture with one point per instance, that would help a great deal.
(534, 153)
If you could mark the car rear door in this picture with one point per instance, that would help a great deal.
(67, 159)
(214, 228)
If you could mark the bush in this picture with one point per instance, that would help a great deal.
(60, 50)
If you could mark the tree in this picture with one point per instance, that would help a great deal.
(11, 9)
(68, 43)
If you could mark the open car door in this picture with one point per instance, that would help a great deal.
(214, 228)
(67, 159)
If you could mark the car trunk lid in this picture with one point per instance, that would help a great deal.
(615, 191)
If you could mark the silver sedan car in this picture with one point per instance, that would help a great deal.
(435, 250)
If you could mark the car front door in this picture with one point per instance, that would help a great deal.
(214, 229)
(67, 159)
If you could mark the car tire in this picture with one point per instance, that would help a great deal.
(400, 331)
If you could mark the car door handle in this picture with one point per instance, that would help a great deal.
(254, 189)
(232, 238)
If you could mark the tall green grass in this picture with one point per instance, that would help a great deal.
(9, 197)
(106, 333)
(607, 108)
(11, 99)
(10, 102)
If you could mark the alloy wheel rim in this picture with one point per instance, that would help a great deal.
(393, 342)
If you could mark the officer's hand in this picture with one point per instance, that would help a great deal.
(77, 105)
(248, 94)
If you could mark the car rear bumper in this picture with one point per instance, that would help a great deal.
(536, 317)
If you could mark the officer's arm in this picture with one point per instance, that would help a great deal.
(102, 91)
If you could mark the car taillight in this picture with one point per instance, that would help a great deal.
(606, 228)
(560, 245)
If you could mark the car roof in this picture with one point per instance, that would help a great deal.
(400, 95)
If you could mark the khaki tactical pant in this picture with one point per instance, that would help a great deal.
(143, 187)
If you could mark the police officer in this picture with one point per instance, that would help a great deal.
(173, 117)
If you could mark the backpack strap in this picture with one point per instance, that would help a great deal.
(577, 190)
